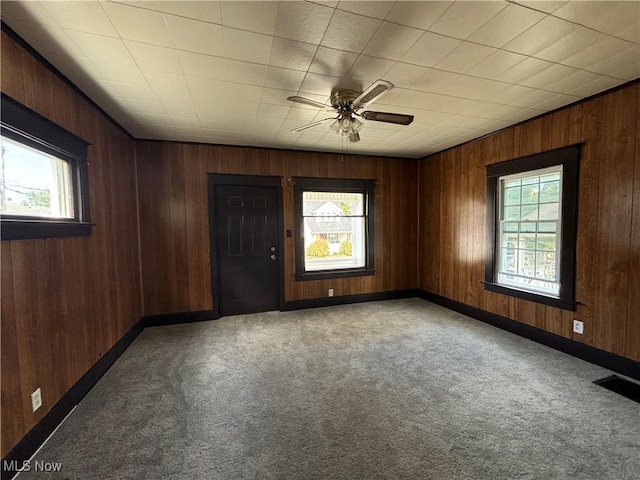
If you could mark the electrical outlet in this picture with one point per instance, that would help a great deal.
(578, 327)
(331, 292)
(36, 400)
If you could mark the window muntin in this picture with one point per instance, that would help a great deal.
(334, 227)
(33, 183)
(532, 205)
(529, 228)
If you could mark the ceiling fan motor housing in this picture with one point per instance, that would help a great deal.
(341, 100)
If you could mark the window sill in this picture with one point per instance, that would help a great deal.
(531, 296)
(325, 274)
(27, 229)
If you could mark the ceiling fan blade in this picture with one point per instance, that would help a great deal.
(371, 94)
(311, 125)
(399, 118)
(306, 101)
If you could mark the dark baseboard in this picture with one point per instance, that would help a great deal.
(346, 299)
(177, 318)
(618, 364)
(39, 433)
(45, 427)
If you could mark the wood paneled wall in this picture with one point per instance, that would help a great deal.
(172, 182)
(453, 229)
(66, 301)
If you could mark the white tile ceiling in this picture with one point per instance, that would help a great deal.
(220, 72)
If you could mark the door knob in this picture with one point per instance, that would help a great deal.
(273, 257)
(273, 249)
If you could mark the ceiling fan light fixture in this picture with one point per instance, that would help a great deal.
(347, 105)
(356, 125)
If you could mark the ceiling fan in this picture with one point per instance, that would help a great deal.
(347, 104)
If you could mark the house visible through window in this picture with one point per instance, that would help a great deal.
(334, 227)
(529, 230)
(43, 177)
(532, 211)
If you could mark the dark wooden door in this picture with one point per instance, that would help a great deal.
(247, 246)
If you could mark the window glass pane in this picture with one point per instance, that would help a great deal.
(546, 265)
(549, 211)
(512, 196)
(527, 240)
(528, 257)
(546, 242)
(510, 240)
(331, 204)
(530, 193)
(526, 262)
(527, 227)
(512, 213)
(546, 227)
(549, 192)
(509, 260)
(510, 227)
(550, 177)
(33, 183)
(348, 252)
(529, 212)
(334, 238)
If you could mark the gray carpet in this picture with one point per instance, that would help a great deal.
(396, 389)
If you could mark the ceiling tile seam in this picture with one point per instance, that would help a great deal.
(314, 57)
(380, 58)
(264, 76)
(79, 31)
(503, 82)
(107, 93)
(367, 16)
(440, 16)
(530, 7)
(488, 20)
(221, 24)
(360, 54)
(145, 75)
(513, 66)
(574, 22)
(321, 4)
(562, 65)
(140, 6)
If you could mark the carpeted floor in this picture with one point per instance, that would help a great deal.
(398, 389)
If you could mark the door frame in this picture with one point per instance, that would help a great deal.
(228, 179)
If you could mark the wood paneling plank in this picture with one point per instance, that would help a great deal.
(65, 301)
(614, 219)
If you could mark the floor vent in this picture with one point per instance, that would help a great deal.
(622, 386)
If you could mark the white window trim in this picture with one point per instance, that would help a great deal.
(500, 231)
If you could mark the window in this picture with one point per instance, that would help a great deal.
(43, 179)
(532, 213)
(334, 228)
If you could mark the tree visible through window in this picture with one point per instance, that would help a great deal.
(334, 234)
(34, 184)
(532, 210)
(529, 230)
(334, 227)
(43, 177)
